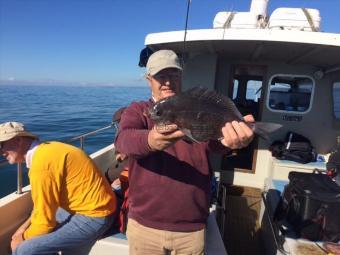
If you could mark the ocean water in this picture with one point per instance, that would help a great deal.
(62, 112)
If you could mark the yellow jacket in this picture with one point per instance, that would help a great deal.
(64, 176)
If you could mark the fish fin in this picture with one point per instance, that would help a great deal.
(207, 95)
(188, 134)
(263, 129)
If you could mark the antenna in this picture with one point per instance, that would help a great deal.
(185, 32)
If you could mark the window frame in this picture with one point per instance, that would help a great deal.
(333, 102)
(285, 111)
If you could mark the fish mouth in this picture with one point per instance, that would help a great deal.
(151, 113)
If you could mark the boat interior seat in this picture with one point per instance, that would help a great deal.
(113, 243)
(116, 243)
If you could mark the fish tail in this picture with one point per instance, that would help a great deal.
(263, 129)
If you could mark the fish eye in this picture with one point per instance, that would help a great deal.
(158, 112)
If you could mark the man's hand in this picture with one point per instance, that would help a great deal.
(120, 157)
(18, 236)
(237, 135)
(17, 239)
(162, 136)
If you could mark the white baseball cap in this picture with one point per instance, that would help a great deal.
(162, 59)
(9, 130)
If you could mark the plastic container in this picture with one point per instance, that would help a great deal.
(245, 20)
(221, 19)
(294, 19)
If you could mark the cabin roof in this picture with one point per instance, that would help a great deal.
(293, 47)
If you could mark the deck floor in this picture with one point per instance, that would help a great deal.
(242, 228)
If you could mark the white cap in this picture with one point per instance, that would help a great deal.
(12, 129)
(160, 60)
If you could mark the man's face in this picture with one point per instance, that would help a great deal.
(165, 83)
(12, 150)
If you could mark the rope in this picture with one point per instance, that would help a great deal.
(309, 19)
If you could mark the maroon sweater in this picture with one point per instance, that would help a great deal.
(169, 189)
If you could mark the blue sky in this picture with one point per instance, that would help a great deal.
(98, 41)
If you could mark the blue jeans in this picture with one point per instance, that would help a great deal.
(75, 235)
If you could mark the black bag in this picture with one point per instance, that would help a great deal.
(311, 204)
(295, 148)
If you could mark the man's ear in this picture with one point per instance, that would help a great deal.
(19, 140)
(22, 141)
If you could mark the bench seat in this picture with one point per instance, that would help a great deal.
(118, 244)
(113, 244)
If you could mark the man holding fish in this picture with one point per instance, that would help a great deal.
(168, 149)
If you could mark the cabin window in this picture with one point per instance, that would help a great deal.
(336, 99)
(246, 93)
(235, 89)
(290, 93)
(254, 90)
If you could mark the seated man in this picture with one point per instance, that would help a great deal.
(73, 204)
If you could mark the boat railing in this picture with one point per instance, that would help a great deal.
(81, 138)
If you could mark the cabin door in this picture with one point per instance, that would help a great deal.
(245, 89)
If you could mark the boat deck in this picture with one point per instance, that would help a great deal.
(242, 228)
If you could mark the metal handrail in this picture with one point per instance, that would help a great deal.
(19, 178)
(81, 138)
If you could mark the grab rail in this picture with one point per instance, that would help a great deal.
(81, 138)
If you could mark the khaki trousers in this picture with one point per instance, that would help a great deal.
(150, 241)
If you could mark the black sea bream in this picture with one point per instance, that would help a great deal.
(201, 114)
